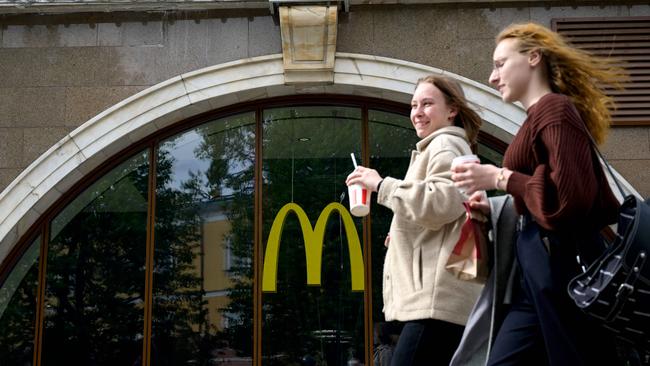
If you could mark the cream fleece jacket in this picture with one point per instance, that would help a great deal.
(428, 214)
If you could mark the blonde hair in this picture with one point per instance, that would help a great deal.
(466, 117)
(572, 72)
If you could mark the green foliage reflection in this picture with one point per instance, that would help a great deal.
(95, 272)
(18, 309)
(202, 310)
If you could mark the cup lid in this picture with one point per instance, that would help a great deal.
(465, 158)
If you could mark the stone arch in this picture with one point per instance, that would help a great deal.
(186, 95)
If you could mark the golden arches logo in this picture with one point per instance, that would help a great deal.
(313, 239)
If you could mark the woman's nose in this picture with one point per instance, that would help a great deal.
(494, 77)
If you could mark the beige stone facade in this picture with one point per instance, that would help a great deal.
(60, 70)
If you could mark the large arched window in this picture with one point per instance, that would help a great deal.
(157, 258)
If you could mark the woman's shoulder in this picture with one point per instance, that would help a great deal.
(554, 108)
(449, 138)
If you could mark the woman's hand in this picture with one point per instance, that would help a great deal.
(365, 176)
(479, 201)
(472, 177)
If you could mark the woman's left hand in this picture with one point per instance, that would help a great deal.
(479, 201)
(472, 177)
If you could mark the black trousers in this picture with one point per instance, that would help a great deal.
(543, 326)
(427, 342)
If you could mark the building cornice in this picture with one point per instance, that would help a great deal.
(91, 6)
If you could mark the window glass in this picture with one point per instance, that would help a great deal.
(202, 284)
(18, 301)
(95, 272)
(306, 157)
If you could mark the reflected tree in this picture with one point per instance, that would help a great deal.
(232, 171)
(18, 310)
(178, 304)
(183, 330)
(95, 273)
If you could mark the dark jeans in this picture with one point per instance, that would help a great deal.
(427, 342)
(544, 327)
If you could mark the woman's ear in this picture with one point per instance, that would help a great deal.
(534, 57)
(453, 111)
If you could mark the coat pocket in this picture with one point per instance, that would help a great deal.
(417, 268)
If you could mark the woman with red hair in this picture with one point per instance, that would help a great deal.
(559, 189)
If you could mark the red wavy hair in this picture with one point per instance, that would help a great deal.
(572, 72)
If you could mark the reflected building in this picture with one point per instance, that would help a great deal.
(213, 265)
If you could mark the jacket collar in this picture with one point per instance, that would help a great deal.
(449, 130)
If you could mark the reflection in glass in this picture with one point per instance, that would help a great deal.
(306, 157)
(202, 285)
(18, 300)
(95, 272)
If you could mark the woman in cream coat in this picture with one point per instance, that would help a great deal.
(428, 214)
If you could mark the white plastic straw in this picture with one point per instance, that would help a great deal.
(354, 161)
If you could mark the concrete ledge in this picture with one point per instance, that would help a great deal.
(92, 6)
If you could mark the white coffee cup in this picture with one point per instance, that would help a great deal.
(464, 159)
(359, 197)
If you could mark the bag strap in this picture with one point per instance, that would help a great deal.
(609, 169)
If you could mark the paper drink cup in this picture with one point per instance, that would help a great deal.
(359, 200)
(463, 159)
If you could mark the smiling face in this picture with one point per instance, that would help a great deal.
(512, 73)
(429, 110)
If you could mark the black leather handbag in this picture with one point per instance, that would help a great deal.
(615, 289)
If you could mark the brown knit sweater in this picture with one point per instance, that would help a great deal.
(556, 175)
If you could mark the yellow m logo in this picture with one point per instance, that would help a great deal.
(313, 246)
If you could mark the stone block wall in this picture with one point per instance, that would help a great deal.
(461, 40)
(58, 71)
